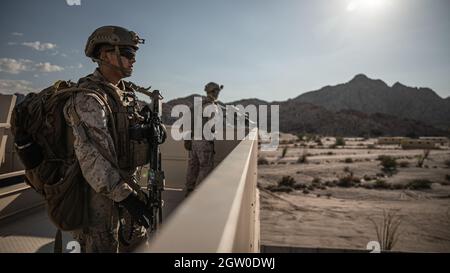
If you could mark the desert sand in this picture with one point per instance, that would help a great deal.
(325, 215)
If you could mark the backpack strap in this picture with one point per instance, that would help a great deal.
(124, 175)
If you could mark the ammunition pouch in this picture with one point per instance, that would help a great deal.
(140, 132)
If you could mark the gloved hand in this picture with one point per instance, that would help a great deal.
(137, 209)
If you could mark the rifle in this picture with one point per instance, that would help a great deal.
(248, 121)
(157, 135)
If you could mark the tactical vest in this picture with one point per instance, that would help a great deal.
(131, 153)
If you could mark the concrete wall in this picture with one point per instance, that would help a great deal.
(222, 215)
(9, 162)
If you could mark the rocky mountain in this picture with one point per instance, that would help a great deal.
(297, 117)
(301, 117)
(374, 96)
(167, 107)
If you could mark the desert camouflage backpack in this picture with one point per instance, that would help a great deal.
(44, 143)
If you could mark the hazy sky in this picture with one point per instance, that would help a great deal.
(271, 50)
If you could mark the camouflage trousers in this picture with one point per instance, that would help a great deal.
(102, 235)
(201, 163)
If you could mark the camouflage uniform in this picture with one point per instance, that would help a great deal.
(92, 139)
(201, 156)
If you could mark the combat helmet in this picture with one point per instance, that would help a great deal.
(114, 36)
(212, 86)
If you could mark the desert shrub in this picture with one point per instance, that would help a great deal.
(282, 189)
(305, 191)
(348, 181)
(371, 146)
(447, 163)
(316, 180)
(330, 153)
(263, 161)
(332, 146)
(319, 142)
(303, 158)
(309, 137)
(299, 186)
(381, 184)
(397, 186)
(422, 158)
(287, 181)
(348, 160)
(347, 170)
(388, 230)
(340, 141)
(419, 184)
(388, 163)
(446, 183)
(403, 164)
(369, 177)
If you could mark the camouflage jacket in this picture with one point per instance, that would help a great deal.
(93, 138)
(200, 121)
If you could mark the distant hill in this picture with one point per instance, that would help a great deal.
(360, 107)
(374, 96)
(301, 117)
(167, 107)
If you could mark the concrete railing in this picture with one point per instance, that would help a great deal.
(9, 162)
(222, 215)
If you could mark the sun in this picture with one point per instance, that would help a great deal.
(366, 5)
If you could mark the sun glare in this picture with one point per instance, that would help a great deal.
(365, 5)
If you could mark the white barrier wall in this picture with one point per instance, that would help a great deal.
(222, 215)
(9, 162)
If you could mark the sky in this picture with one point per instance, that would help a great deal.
(266, 49)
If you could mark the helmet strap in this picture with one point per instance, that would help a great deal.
(120, 68)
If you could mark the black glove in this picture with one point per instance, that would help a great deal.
(137, 209)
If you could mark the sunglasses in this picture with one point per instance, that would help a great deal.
(127, 52)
